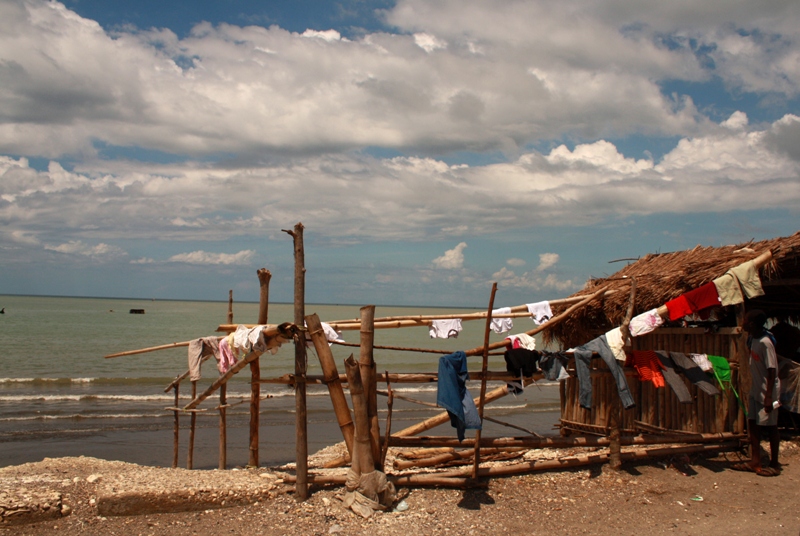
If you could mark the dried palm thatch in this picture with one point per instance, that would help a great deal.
(664, 276)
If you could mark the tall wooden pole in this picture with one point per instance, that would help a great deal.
(255, 369)
(230, 307)
(482, 401)
(223, 427)
(615, 415)
(176, 428)
(368, 378)
(300, 365)
(192, 424)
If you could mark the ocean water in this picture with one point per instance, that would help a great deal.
(60, 397)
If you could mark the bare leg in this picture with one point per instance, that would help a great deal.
(754, 433)
(774, 446)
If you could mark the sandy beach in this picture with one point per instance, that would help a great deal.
(680, 495)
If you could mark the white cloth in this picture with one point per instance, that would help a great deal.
(501, 325)
(246, 339)
(645, 323)
(702, 362)
(617, 344)
(444, 329)
(331, 335)
(525, 341)
(540, 311)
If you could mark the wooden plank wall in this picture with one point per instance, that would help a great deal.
(660, 407)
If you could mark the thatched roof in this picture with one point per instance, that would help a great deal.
(663, 276)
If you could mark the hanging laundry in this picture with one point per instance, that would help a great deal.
(690, 369)
(445, 329)
(673, 380)
(226, 357)
(583, 358)
(198, 349)
(520, 362)
(554, 365)
(540, 311)
(452, 393)
(645, 323)
(522, 340)
(695, 300)
(739, 278)
(501, 325)
(648, 366)
(617, 344)
(702, 362)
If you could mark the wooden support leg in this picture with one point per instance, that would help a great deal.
(192, 423)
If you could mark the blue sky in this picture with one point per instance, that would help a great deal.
(157, 149)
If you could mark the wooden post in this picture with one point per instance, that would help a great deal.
(230, 307)
(614, 448)
(223, 427)
(367, 368)
(331, 379)
(300, 366)
(176, 428)
(362, 449)
(255, 369)
(482, 399)
(389, 403)
(192, 423)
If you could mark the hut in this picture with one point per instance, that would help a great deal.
(657, 279)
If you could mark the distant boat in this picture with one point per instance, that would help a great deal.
(3, 311)
(137, 311)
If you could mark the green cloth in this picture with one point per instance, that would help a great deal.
(722, 372)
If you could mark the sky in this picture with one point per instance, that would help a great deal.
(430, 148)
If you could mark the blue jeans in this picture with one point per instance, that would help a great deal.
(583, 357)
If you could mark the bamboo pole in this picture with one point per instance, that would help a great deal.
(150, 349)
(176, 428)
(447, 457)
(192, 423)
(300, 365)
(368, 378)
(405, 377)
(443, 417)
(230, 306)
(484, 369)
(223, 427)
(332, 379)
(409, 481)
(559, 442)
(363, 462)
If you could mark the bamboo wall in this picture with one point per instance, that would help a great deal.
(659, 407)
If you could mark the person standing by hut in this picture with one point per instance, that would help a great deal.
(764, 393)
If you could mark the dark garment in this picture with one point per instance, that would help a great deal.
(672, 378)
(452, 393)
(521, 361)
(198, 349)
(552, 363)
(583, 357)
(695, 374)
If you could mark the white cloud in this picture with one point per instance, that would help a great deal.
(515, 262)
(547, 260)
(204, 257)
(453, 259)
(99, 251)
(532, 281)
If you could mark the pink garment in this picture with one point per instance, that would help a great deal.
(226, 357)
(645, 323)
